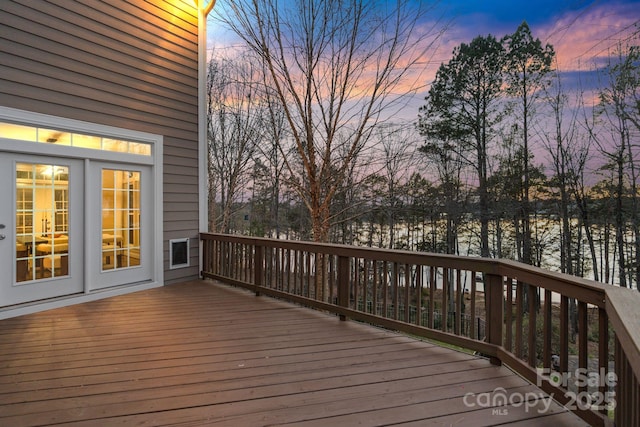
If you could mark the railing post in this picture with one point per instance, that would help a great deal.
(258, 257)
(343, 283)
(205, 257)
(494, 305)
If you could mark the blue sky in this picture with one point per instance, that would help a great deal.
(582, 32)
(513, 12)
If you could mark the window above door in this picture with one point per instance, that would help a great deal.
(60, 137)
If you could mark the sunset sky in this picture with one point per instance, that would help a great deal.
(579, 30)
(582, 32)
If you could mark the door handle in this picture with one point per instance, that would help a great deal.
(2, 237)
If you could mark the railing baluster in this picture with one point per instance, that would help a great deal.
(258, 264)
(234, 266)
(252, 261)
(432, 293)
(221, 258)
(314, 288)
(531, 291)
(216, 257)
(324, 282)
(331, 279)
(286, 253)
(366, 285)
(458, 300)
(418, 295)
(230, 265)
(548, 330)
(239, 262)
(266, 266)
(473, 332)
(376, 284)
(519, 316)
(407, 289)
(495, 308)
(385, 288)
(603, 356)
(308, 275)
(285, 276)
(583, 339)
(564, 334)
(444, 316)
(509, 315)
(343, 283)
(246, 249)
(356, 282)
(396, 274)
(273, 260)
(301, 267)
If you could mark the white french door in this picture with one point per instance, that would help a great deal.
(41, 227)
(120, 242)
(80, 211)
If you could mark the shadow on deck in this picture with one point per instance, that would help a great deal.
(203, 353)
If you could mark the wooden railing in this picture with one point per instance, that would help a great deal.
(578, 340)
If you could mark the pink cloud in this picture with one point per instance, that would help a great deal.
(583, 38)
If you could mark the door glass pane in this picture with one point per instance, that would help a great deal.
(120, 219)
(42, 221)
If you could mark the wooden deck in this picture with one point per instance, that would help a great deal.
(201, 353)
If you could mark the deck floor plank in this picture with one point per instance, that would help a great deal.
(201, 353)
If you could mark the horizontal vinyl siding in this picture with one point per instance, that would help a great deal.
(130, 64)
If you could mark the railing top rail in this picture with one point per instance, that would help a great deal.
(571, 286)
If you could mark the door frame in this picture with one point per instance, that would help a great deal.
(154, 161)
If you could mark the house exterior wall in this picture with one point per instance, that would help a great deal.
(129, 64)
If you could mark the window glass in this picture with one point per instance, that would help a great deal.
(42, 221)
(59, 137)
(12, 131)
(87, 141)
(120, 219)
(52, 136)
(116, 145)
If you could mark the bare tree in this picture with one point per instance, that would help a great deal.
(234, 127)
(619, 113)
(451, 196)
(270, 164)
(568, 148)
(336, 66)
(395, 145)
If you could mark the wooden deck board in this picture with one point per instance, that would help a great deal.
(201, 353)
